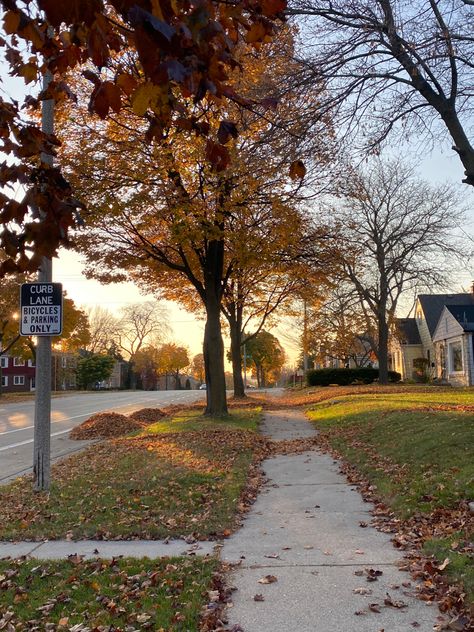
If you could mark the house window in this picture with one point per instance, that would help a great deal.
(31, 363)
(455, 357)
(18, 362)
(64, 362)
(18, 380)
(418, 315)
(4, 362)
(4, 380)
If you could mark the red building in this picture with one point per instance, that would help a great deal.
(18, 375)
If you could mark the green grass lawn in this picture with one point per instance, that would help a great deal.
(164, 594)
(181, 477)
(418, 449)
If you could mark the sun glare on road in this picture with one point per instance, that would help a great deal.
(17, 420)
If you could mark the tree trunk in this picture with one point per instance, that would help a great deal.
(383, 348)
(213, 351)
(132, 376)
(462, 145)
(235, 351)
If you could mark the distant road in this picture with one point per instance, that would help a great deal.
(16, 422)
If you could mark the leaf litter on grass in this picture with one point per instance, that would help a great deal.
(178, 484)
(104, 595)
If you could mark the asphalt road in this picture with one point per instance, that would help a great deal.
(16, 422)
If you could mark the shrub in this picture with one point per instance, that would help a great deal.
(422, 369)
(343, 377)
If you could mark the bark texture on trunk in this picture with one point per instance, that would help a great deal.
(383, 349)
(213, 351)
(213, 348)
(235, 351)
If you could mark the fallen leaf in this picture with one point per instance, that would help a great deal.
(373, 574)
(268, 579)
(374, 607)
(258, 598)
(442, 566)
(389, 601)
(362, 591)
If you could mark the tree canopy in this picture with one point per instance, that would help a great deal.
(392, 67)
(165, 215)
(182, 52)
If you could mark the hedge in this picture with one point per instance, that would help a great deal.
(343, 377)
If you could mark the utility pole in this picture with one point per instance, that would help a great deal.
(245, 366)
(305, 336)
(42, 433)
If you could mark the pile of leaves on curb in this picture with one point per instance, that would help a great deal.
(105, 426)
(110, 425)
(410, 534)
(148, 415)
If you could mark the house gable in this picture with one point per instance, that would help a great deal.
(432, 305)
(453, 339)
(447, 327)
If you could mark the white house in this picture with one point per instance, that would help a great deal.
(453, 341)
(415, 338)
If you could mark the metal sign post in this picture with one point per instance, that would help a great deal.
(41, 311)
(42, 436)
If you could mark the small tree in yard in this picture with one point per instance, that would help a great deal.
(338, 328)
(172, 358)
(422, 369)
(94, 369)
(395, 234)
(138, 323)
(267, 357)
(197, 367)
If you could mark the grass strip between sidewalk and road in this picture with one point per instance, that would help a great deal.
(126, 594)
(417, 451)
(181, 477)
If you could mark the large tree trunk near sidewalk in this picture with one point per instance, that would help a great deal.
(213, 350)
(383, 349)
(235, 351)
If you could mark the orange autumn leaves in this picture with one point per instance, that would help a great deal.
(183, 51)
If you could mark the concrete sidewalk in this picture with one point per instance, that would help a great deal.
(304, 537)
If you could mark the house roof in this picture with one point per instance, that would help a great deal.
(464, 314)
(408, 331)
(433, 304)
